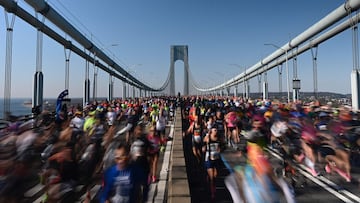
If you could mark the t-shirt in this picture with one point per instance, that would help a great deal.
(160, 123)
(121, 186)
(77, 123)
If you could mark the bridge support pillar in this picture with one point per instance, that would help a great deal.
(235, 91)
(179, 52)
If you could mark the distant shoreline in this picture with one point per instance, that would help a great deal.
(306, 94)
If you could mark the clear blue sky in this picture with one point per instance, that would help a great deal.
(218, 33)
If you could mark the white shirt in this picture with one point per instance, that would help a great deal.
(77, 122)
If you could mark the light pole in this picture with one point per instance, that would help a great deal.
(287, 69)
(244, 85)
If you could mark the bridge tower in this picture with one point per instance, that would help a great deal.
(179, 52)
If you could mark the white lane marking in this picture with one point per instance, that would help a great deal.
(327, 181)
(37, 188)
(334, 185)
(164, 172)
(40, 199)
(326, 187)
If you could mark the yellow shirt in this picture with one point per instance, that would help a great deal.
(89, 123)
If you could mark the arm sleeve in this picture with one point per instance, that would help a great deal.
(106, 186)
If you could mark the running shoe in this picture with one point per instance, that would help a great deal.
(327, 168)
(313, 172)
(348, 178)
(162, 148)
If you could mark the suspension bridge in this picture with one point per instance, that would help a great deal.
(342, 18)
(345, 17)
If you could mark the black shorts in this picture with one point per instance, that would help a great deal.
(160, 132)
(212, 163)
(231, 128)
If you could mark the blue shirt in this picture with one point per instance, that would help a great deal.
(121, 186)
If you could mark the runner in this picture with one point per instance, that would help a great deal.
(153, 153)
(336, 157)
(139, 155)
(122, 182)
(196, 131)
(232, 130)
(160, 123)
(211, 149)
(221, 125)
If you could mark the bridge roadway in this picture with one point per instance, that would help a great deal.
(183, 180)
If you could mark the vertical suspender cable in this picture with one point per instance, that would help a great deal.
(295, 75)
(8, 63)
(96, 69)
(38, 77)
(67, 53)
(314, 57)
(265, 84)
(111, 85)
(39, 47)
(87, 82)
(259, 81)
(280, 66)
(295, 71)
(355, 42)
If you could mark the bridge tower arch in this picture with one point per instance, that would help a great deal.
(179, 52)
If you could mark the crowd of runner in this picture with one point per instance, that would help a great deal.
(309, 134)
(142, 139)
(320, 137)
